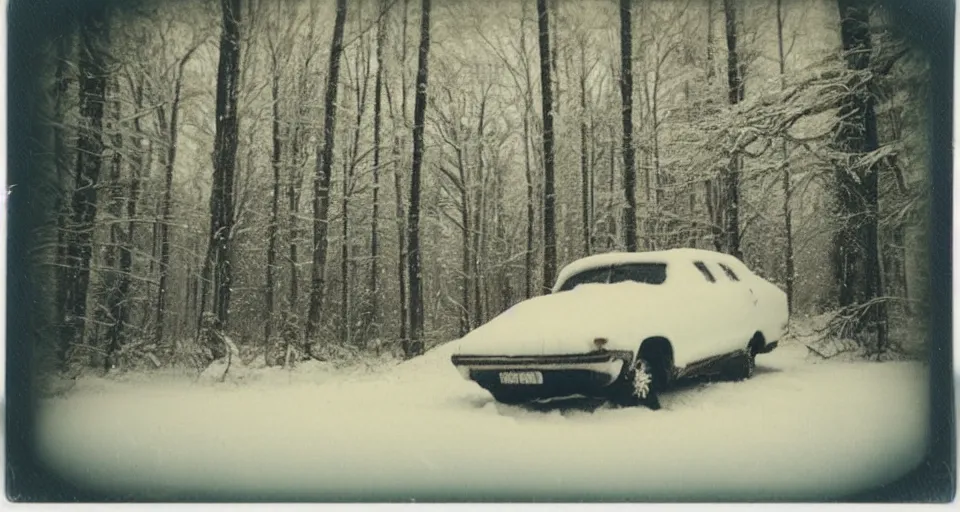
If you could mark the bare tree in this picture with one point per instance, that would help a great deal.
(399, 121)
(377, 117)
(626, 95)
(114, 211)
(586, 173)
(276, 157)
(285, 134)
(172, 127)
(119, 304)
(549, 198)
(298, 161)
(224, 157)
(735, 92)
(321, 181)
(93, 73)
(401, 214)
(527, 167)
(479, 212)
(359, 79)
(519, 68)
(415, 344)
(787, 189)
(711, 193)
(857, 240)
(454, 168)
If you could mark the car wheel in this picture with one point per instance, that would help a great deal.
(743, 366)
(639, 386)
(751, 363)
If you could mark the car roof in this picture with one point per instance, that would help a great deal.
(667, 256)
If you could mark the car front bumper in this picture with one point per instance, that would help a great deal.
(547, 376)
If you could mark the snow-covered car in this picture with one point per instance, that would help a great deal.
(623, 326)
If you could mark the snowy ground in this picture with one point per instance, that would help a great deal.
(798, 430)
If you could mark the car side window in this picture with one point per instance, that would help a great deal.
(597, 275)
(729, 272)
(648, 273)
(702, 267)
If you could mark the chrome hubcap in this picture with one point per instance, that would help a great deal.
(642, 380)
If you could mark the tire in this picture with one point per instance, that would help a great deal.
(743, 366)
(640, 386)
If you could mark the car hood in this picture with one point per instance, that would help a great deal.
(568, 322)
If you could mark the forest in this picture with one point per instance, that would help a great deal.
(333, 179)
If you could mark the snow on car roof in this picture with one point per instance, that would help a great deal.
(620, 258)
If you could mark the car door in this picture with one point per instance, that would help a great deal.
(770, 313)
(742, 304)
(709, 331)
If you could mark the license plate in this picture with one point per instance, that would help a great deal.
(523, 378)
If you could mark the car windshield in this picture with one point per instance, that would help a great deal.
(648, 273)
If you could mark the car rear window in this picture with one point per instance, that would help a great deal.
(702, 267)
(729, 271)
(648, 273)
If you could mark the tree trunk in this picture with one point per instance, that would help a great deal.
(225, 158)
(120, 310)
(528, 174)
(551, 5)
(166, 202)
(714, 216)
(415, 346)
(504, 268)
(275, 161)
(93, 73)
(293, 198)
(345, 250)
(611, 217)
(900, 274)
(349, 165)
(787, 189)
(528, 171)
(62, 168)
(298, 161)
(655, 120)
(731, 178)
(478, 225)
(626, 98)
(401, 241)
(858, 240)
(398, 185)
(321, 181)
(206, 272)
(584, 156)
(374, 234)
(145, 316)
(710, 65)
(594, 159)
(851, 138)
(466, 315)
(549, 199)
(298, 157)
(115, 211)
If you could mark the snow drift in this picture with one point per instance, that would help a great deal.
(796, 431)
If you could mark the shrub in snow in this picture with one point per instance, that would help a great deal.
(833, 335)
